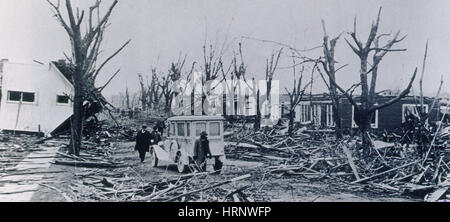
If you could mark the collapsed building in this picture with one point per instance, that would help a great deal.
(35, 97)
(317, 110)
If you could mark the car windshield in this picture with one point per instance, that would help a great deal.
(199, 128)
(188, 131)
(181, 129)
(214, 129)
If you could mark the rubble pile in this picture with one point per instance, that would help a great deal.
(404, 168)
(195, 187)
(13, 149)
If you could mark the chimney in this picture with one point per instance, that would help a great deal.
(2, 62)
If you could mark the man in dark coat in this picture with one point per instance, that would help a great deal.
(202, 151)
(155, 136)
(160, 125)
(143, 142)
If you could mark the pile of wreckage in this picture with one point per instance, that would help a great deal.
(102, 178)
(119, 186)
(420, 170)
(14, 148)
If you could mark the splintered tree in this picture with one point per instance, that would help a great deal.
(238, 72)
(271, 68)
(295, 95)
(328, 63)
(127, 99)
(144, 92)
(423, 115)
(365, 111)
(86, 47)
(154, 90)
(169, 82)
(213, 68)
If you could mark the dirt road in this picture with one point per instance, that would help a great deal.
(78, 184)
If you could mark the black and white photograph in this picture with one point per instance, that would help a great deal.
(224, 101)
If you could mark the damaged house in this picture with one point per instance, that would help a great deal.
(317, 111)
(35, 98)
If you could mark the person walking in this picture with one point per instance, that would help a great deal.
(143, 143)
(202, 151)
(155, 136)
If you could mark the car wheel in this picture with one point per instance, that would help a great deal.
(154, 159)
(180, 165)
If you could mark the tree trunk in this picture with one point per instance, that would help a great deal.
(269, 100)
(77, 120)
(291, 122)
(337, 120)
(257, 125)
(364, 121)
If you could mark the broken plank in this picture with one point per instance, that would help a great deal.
(210, 187)
(388, 171)
(70, 156)
(85, 164)
(436, 195)
(420, 176)
(351, 161)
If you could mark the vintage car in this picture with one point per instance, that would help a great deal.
(181, 134)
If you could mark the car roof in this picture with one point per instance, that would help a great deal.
(197, 118)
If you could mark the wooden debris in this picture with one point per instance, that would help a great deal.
(351, 161)
(210, 187)
(437, 194)
(86, 164)
(385, 172)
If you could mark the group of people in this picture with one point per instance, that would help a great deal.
(145, 139)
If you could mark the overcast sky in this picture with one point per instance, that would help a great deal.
(162, 29)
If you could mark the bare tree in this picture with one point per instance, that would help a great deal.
(154, 90)
(271, 67)
(422, 113)
(169, 82)
(212, 68)
(238, 72)
(296, 95)
(86, 47)
(127, 98)
(144, 92)
(364, 112)
(328, 63)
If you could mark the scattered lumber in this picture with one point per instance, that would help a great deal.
(385, 172)
(437, 194)
(351, 161)
(210, 187)
(86, 164)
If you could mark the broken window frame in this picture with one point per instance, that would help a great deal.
(372, 125)
(415, 107)
(305, 113)
(21, 100)
(316, 114)
(330, 116)
(60, 103)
